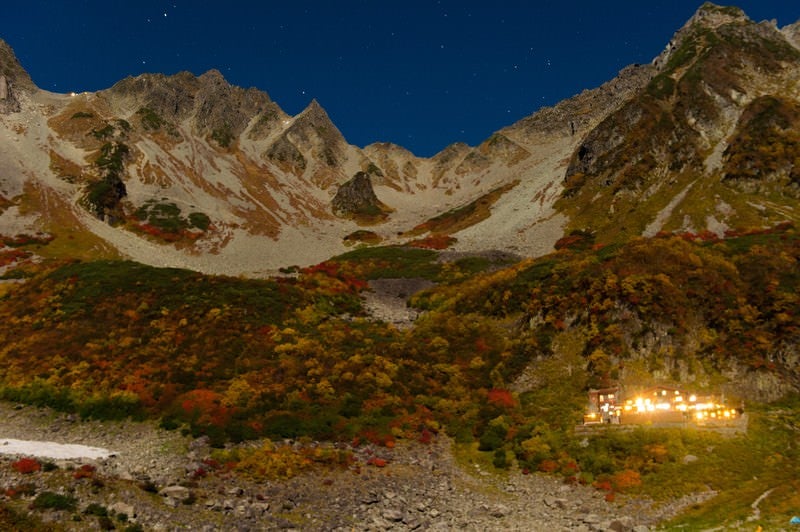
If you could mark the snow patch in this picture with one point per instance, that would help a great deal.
(48, 449)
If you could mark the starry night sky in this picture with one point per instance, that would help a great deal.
(422, 74)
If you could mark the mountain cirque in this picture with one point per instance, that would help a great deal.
(192, 172)
(189, 171)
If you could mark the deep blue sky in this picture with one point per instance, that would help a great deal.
(422, 74)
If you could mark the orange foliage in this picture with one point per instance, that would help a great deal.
(548, 466)
(626, 479)
(377, 462)
(500, 397)
(206, 407)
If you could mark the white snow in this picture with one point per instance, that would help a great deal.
(48, 449)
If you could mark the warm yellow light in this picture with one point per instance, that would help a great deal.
(727, 413)
(693, 398)
(700, 415)
(682, 407)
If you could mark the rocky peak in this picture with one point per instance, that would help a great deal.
(214, 106)
(712, 15)
(356, 198)
(717, 64)
(170, 97)
(314, 121)
(223, 110)
(312, 132)
(792, 33)
(709, 16)
(12, 79)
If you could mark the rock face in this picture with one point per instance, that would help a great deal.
(12, 78)
(215, 107)
(356, 198)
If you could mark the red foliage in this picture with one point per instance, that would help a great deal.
(333, 270)
(375, 438)
(211, 463)
(425, 436)
(603, 484)
(377, 462)
(500, 397)
(568, 242)
(570, 468)
(26, 465)
(13, 255)
(434, 242)
(206, 407)
(481, 346)
(84, 471)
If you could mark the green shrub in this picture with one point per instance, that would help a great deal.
(48, 500)
(96, 509)
(150, 120)
(199, 220)
(223, 136)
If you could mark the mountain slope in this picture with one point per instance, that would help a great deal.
(670, 158)
(190, 171)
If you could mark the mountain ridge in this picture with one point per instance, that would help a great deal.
(198, 146)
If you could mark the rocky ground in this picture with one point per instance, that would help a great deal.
(150, 483)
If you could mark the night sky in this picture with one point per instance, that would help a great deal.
(422, 74)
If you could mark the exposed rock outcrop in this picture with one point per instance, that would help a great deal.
(216, 108)
(13, 78)
(356, 198)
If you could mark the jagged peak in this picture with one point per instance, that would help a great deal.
(715, 15)
(314, 110)
(11, 68)
(316, 117)
(213, 76)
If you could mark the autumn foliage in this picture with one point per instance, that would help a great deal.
(294, 357)
(26, 465)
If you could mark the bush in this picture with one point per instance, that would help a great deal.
(96, 509)
(500, 460)
(49, 500)
(26, 465)
(199, 220)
